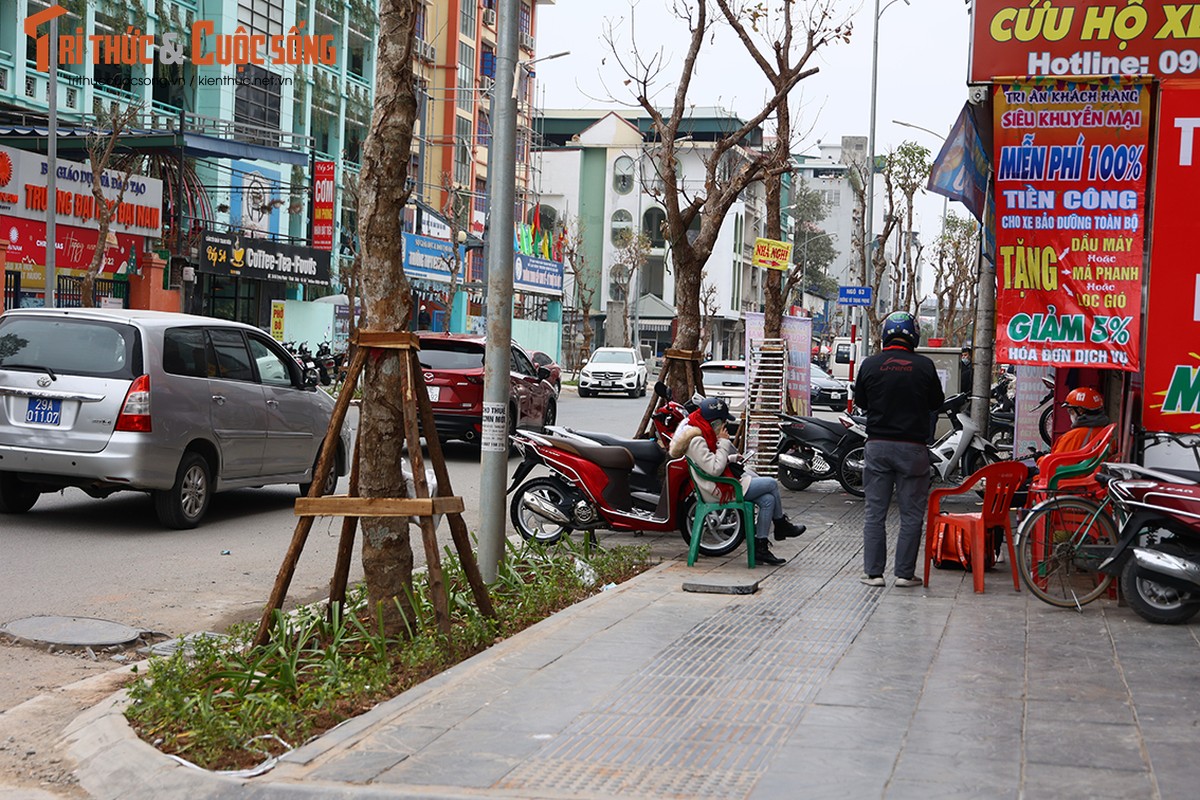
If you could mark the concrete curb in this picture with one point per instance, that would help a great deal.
(113, 762)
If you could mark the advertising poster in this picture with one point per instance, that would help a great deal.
(254, 199)
(1071, 160)
(797, 336)
(277, 316)
(1171, 399)
(323, 188)
(73, 249)
(1074, 38)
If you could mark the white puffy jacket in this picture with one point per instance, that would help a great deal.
(689, 441)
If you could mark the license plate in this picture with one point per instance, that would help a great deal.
(43, 412)
(435, 393)
(836, 395)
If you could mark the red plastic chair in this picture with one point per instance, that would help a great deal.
(1002, 482)
(1073, 471)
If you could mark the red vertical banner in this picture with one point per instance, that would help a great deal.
(1171, 396)
(1071, 161)
(323, 188)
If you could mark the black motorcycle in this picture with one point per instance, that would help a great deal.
(810, 449)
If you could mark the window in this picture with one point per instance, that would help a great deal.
(419, 23)
(118, 76)
(71, 347)
(521, 364)
(184, 352)
(261, 16)
(272, 370)
(467, 19)
(622, 227)
(652, 225)
(483, 130)
(623, 175)
(462, 150)
(480, 201)
(229, 348)
(257, 101)
(451, 355)
(466, 76)
(831, 197)
(526, 19)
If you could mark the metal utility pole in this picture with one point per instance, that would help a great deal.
(51, 278)
(502, 176)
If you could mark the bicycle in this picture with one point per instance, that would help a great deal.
(1062, 542)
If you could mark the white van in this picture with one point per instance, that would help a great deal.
(839, 358)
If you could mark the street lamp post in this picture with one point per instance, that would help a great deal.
(869, 238)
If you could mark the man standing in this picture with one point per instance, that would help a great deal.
(898, 389)
(966, 370)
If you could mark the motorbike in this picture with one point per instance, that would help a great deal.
(810, 448)
(588, 488)
(958, 454)
(328, 363)
(1157, 555)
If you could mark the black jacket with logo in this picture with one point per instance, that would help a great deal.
(898, 389)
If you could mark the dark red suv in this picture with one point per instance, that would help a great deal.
(453, 367)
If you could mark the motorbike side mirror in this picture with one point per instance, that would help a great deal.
(662, 390)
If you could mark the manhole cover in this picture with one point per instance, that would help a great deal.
(76, 631)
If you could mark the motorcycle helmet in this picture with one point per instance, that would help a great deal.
(1084, 399)
(903, 326)
(714, 408)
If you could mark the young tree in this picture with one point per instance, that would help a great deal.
(631, 256)
(910, 165)
(956, 285)
(708, 309)
(695, 213)
(383, 192)
(812, 248)
(454, 210)
(102, 150)
(575, 264)
(769, 38)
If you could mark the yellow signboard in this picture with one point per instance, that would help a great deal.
(277, 320)
(772, 254)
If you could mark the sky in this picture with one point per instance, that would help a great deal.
(923, 49)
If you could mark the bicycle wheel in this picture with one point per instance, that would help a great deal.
(1062, 543)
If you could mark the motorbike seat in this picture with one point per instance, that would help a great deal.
(833, 426)
(600, 455)
(1003, 416)
(645, 450)
(1187, 474)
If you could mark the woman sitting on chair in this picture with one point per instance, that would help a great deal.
(704, 439)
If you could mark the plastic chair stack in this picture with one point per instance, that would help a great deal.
(1002, 480)
(1073, 471)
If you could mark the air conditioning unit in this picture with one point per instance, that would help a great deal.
(426, 51)
(527, 42)
(489, 17)
(486, 83)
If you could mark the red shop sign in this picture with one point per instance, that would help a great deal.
(1076, 38)
(1070, 198)
(1171, 397)
(323, 189)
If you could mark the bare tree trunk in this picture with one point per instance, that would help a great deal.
(387, 552)
(774, 295)
(101, 150)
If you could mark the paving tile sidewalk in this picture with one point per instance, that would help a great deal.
(815, 686)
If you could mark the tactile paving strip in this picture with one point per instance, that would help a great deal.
(738, 683)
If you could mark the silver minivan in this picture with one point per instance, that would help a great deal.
(175, 405)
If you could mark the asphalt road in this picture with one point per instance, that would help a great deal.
(72, 555)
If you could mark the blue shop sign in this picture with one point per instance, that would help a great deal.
(427, 257)
(854, 295)
(533, 274)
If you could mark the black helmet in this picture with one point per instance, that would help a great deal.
(714, 408)
(903, 326)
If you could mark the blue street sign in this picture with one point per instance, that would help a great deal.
(854, 295)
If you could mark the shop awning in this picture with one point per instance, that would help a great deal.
(195, 145)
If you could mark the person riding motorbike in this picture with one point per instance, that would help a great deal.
(704, 439)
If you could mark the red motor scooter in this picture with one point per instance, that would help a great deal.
(1157, 555)
(588, 489)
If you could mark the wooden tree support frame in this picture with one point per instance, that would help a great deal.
(675, 362)
(351, 507)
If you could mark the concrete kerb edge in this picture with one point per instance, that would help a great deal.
(112, 761)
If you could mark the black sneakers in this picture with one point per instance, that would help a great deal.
(763, 554)
(786, 529)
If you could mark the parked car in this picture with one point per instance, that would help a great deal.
(726, 380)
(171, 404)
(453, 367)
(541, 359)
(614, 369)
(827, 391)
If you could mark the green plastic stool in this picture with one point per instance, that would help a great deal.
(704, 508)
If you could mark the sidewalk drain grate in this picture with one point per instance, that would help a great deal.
(738, 683)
